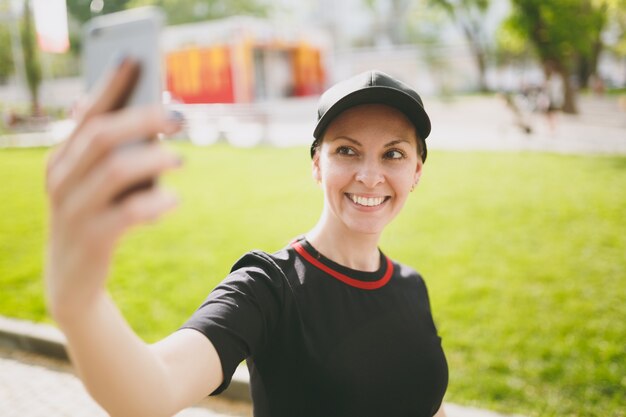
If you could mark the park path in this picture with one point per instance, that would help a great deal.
(37, 386)
(486, 123)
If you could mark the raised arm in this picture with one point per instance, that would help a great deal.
(87, 217)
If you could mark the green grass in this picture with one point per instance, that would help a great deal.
(524, 255)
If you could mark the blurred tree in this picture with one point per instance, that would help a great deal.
(83, 10)
(560, 32)
(198, 10)
(616, 27)
(176, 11)
(80, 11)
(469, 16)
(390, 18)
(586, 64)
(6, 55)
(424, 26)
(31, 57)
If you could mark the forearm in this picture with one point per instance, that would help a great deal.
(120, 371)
(87, 179)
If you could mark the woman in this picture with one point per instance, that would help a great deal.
(329, 325)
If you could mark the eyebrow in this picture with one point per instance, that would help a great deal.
(356, 142)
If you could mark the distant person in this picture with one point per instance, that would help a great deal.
(597, 85)
(329, 325)
(552, 97)
(518, 104)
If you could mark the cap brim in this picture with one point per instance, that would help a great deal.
(411, 108)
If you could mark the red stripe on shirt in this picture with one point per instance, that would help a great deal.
(365, 285)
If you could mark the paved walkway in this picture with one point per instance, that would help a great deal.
(486, 123)
(35, 386)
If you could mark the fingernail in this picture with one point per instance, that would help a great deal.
(175, 116)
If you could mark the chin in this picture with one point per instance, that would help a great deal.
(366, 228)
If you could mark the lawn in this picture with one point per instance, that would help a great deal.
(523, 253)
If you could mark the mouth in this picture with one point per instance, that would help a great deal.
(367, 201)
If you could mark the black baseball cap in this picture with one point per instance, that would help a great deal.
(371, 87)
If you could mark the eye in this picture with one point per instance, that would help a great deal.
(394, 154)
(345, 150)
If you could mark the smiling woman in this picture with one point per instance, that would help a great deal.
(366, 180)
(328, 325)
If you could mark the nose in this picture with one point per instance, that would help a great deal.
(370, 174)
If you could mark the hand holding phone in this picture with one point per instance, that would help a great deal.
(85, 178)
(134, 36)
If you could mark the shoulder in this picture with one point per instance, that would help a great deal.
(274, 265)
(406, 272)
(409, 276)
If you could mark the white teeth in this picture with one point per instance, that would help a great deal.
(365, 201)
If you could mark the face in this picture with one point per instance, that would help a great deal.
(367, 164)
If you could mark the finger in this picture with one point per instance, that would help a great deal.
(103, 135)
(110, 93)
(51, 162)
(112, 90)
(123, 170)
(140, 208)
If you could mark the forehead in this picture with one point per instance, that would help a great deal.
(372, 120)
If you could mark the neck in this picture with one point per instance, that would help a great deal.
(354, 250)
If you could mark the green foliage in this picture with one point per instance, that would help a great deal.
(466, 6)
(523, 254)
(6, 55)
(80, 9)
(198, 10)
(176, 11)
(469, 16)
(565, 35)
(549, 26)
(30, 50)
(617, 25)
(510, 41)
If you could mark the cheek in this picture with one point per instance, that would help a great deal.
(403, 180)
(335, 173)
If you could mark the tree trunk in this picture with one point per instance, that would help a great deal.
(479, 56)
(583, 71)
(588, 65)
(569, 93)
(478, 53)
(30, 51)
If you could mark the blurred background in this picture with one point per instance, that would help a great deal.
(518, 224)
(269, 59)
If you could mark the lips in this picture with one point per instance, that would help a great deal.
(366, 201)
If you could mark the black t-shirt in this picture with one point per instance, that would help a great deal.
(321, 339)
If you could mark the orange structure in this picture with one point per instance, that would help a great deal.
(242, 60)
(200, 75)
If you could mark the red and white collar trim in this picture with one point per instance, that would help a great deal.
(364, 285)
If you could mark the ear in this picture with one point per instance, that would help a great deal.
(418, 171)
(316, 171)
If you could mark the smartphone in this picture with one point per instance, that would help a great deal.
(135, 34)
